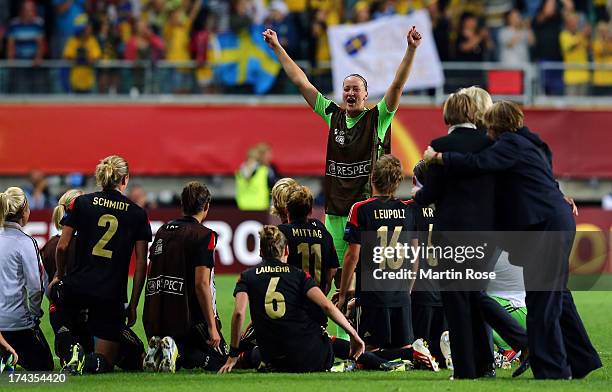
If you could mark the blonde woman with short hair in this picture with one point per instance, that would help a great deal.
(280, 193)
(482, 102)
(21, 291)
(462, 203)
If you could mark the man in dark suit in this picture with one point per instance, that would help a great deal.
(463, 203)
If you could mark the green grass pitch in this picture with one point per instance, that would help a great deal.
(595, 309)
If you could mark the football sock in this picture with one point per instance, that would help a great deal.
(368, 360)
(341, 348)
(255, 357)
(96, 363)
(63, 344)
(131, 351)
(395, 353)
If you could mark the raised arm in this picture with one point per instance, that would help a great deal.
(293, 71)
(196, 6)
(394, 92)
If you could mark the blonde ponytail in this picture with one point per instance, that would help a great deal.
(63, 203)
(111, 171)
(272, 242)
(4, 207)
(12, 203)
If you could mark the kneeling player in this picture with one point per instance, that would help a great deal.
(69, 327)
(383, 306)
(428, 318)
(109, 228)
(311, 247)
(70, 324)
(180, 315)
(289, 340)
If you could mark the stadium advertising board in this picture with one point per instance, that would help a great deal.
(218, 137)
(236, 249)
(238, 230)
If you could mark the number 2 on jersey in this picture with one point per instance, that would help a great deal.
(278, 311)
(306, 250)
(112, 223)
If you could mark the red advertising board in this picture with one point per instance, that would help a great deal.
(236, 245)
(237, 250)
(213, 139)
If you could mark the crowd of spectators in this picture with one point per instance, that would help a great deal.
(514, 32)
(43, 191)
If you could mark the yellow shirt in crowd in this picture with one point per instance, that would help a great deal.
(296, 5)
(574, 48)
(177, 41)
(602, 54)
(82, 77)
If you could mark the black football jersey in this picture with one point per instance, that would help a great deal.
(311, 248)
(425, 291)
(179, 247)
(47, 254)
(381, 222)
(108, 225)
(277, 303)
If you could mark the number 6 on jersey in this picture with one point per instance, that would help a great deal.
(278, 311)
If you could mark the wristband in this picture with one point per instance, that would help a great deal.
(234, 352)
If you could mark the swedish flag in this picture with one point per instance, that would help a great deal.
(245, 58)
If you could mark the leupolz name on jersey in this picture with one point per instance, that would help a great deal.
(389, 214)
(117, 205)
(316, 233)
(268, 269)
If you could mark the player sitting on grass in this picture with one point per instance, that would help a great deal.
(180, 291)
(279, 194)
(383, 314)
(289, 340)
